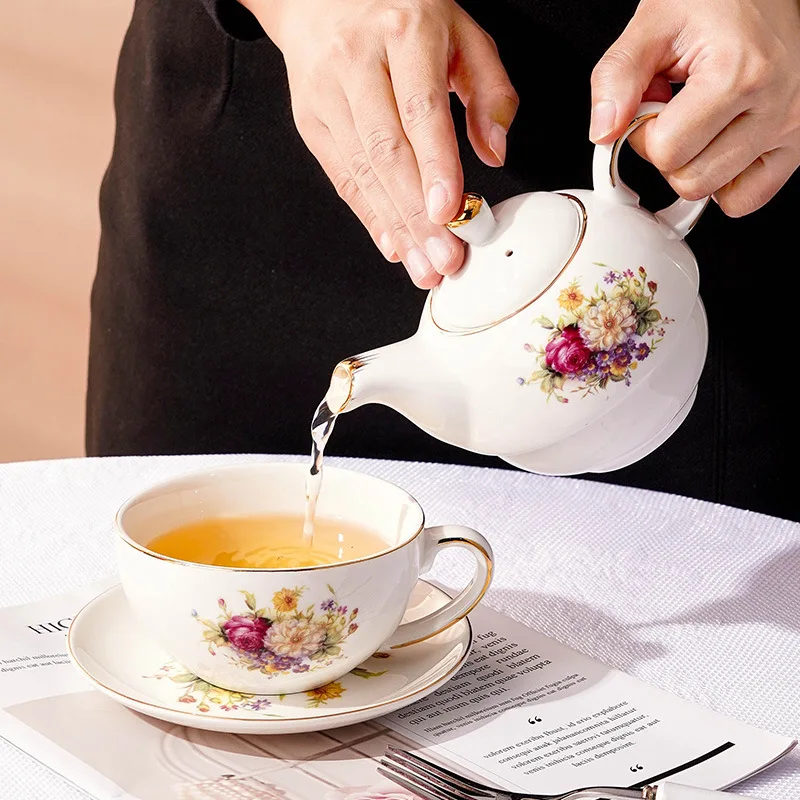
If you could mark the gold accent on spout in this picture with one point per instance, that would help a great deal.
(344, 372)
(470, 206)
(583, 219)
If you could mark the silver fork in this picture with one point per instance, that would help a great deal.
(434, 782)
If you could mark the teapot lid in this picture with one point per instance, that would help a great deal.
(517, 250)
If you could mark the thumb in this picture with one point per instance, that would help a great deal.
(624, 73)
(480, 80)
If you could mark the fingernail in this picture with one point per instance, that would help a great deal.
(497, 142)
(604, 117)
(387, 248)
(438, 198)
(417, 263)
(438, 252)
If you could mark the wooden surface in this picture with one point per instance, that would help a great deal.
(57, 64)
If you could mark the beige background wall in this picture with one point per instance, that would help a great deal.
(57, 63)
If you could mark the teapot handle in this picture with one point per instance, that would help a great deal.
(681, 216)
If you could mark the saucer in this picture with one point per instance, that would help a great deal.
(122, 662)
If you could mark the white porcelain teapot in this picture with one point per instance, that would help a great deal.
(571, 340)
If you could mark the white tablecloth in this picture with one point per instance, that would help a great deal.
(699, 599)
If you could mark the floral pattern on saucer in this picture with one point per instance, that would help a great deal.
(602, 336)
(283, 638)
(206, 697)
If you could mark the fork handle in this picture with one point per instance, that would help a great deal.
(678, 791)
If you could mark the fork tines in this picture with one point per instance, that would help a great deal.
(429, 780)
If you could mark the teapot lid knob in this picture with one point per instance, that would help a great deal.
(475, 223)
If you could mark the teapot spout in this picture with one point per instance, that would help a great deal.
(402, 377)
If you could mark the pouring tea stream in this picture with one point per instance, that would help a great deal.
(571, 340)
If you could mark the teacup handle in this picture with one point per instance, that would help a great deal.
(435, 540)
(681, 216)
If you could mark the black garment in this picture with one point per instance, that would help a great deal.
(231, 278)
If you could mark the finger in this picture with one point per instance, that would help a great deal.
(319, 141)
(626, 70)
(699, 112)
(759, 183)
(335, 113)
(482, 84)
(341, 155)
(375, 116)
(659, 90)
(418, 68)
(726, 157)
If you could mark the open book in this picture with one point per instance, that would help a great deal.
(524, 713)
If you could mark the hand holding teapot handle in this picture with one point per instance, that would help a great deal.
(681, 216)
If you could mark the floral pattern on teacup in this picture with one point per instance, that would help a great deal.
(284, 638)
(600, 338)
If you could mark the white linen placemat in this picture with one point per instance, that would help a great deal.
(700, 599)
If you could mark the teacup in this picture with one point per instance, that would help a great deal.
(341, 613)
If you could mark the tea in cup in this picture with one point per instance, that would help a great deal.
(215, 568)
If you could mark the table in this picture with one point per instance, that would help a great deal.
(700, 599)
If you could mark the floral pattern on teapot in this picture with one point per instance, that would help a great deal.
(284, 638)
(600, 338)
